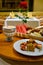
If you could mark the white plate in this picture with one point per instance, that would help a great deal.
(16, 46)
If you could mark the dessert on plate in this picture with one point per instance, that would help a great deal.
(30, 45)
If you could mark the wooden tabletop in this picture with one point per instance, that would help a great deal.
(6, 50)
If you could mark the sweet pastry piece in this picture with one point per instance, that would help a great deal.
(39, 46)
(24, 29)
(37, 32)
(41, 32)
(30, 45)
(29, 15)
(21, 28)
(29, 29)
(12, 15)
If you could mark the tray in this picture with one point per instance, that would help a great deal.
(28, 35)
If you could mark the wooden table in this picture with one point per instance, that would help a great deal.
(7, 51)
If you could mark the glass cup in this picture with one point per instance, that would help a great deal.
(9, 32)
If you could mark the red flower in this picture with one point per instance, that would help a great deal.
(24, 4)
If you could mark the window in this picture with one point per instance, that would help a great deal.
(14, 5)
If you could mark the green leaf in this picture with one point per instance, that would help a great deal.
(25, 21)
(16, 15)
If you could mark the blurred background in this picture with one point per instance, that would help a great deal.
(24, 5)
(7, 6)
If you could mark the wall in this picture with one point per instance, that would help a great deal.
(0, 3)
(38, 5)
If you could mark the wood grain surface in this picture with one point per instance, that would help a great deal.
(6, 50)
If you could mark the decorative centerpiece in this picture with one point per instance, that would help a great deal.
(24, 23)
(24, 17)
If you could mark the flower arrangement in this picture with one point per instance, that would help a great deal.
(24, 17)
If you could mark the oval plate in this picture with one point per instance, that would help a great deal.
(16, 46)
